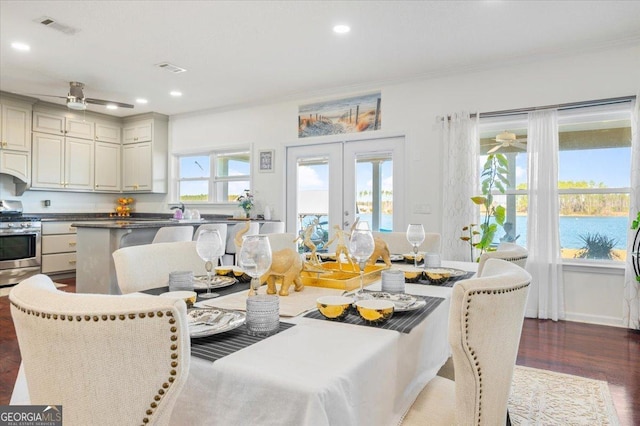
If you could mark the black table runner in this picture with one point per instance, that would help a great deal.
(403, 322)
(214, 347)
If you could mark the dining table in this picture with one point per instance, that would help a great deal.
(321, 372)
(315, 372)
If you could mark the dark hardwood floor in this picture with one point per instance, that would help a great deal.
(604, 353)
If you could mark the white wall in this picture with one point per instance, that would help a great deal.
(410, 108)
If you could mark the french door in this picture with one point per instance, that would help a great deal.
(332, 184)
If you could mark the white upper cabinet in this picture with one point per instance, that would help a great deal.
(60, 124)
(107, 167)
(137, 167)
(141, 131)
(15, 130)
(108, 133)
(62, 163)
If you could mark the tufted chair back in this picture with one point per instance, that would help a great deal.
(147, 266)
(108, 360)
(485, 322)
(510, 252)
(398, 244)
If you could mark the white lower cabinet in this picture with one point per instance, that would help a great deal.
(58, 247)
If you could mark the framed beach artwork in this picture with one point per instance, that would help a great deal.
(347, 115)
(266, 159)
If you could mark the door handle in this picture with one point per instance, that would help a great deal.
(345, 223)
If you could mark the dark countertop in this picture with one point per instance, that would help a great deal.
(133, 223)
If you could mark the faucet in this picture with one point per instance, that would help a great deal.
(176, 207)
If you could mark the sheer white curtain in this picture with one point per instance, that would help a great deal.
(631, 303)
(546, 297)
(459, 139)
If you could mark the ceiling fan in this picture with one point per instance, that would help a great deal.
(76, 99)
(507, 139)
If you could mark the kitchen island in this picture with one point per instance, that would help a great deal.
(98, 239)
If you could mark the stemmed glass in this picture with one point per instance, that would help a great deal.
(255, 258)
(361, 247)
(209, 248)
(415, 236)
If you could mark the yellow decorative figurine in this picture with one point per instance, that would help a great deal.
(306, 240)
(286, 264)
(341, 246)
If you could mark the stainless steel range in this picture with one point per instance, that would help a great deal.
(20, 236)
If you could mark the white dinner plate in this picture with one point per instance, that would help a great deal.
(217, 281)
(207, 322)
(396, 257)
(402, 302)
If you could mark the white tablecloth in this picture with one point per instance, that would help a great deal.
(319, 373)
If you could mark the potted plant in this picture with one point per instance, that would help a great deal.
(494, 176)
(246, 202)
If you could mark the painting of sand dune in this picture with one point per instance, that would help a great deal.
(348, 115)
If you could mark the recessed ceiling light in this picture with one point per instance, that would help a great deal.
(21, 46)
(175, 93)
(112, 106)
(141, 101)
(341, 29)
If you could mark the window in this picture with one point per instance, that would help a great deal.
(593, 184)
(213, 177)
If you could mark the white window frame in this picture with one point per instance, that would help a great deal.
(213, 179)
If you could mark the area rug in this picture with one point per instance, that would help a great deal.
(542, 397)
(4, 291)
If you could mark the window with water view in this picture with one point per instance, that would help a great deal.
(593, 183)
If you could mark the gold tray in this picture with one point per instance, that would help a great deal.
(346, 279)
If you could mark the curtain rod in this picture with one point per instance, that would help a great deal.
(571, 105)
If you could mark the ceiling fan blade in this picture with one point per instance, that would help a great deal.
(104, 102)
(494, 149)
(40, 94)
(519, 145)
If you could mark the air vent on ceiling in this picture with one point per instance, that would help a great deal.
(171, 68)
(51, 23)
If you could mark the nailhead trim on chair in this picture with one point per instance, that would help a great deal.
(95, 318)
(471, 350)
(515, 259)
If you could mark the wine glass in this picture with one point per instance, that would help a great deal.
(361, 247)
(209, 248)
(255, 258)
(415, 236)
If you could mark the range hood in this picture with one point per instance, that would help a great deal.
(18, 179)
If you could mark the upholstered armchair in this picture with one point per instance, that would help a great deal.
(281, 241)
(108, 360)
(169, 234)
(398, 244)
(147, 266)
(510, 252)
(220, 227)
(485, 322)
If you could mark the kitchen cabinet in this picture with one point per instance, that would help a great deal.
(58, 247)
(66, 124)
(144, 164)
(141, 131)
(16, 163)
(62, 163)
(107, 166)
(137, 167)
(15, 128)
(108, 133)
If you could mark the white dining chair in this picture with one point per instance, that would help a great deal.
(398, 243)
(148, 266)
(510, 252)
(220, 227)
(272, 228)
(485, 323)
(108, 360)
(170, 234)
(232, 248)
(281, 241)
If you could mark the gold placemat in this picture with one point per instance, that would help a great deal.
(292, 305)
